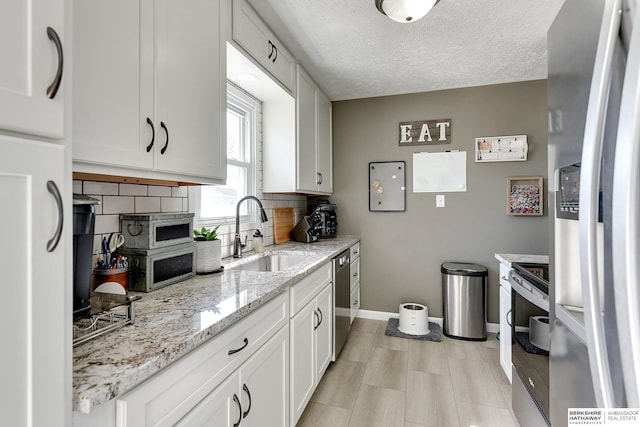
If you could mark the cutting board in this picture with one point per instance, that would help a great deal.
(283, 222)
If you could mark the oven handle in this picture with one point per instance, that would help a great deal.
(588, 219)
(517, 284)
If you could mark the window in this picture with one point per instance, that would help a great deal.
(217, 203)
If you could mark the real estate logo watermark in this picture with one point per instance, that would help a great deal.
(618, 417)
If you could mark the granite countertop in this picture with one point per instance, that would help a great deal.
(172, 321)
(511, 258)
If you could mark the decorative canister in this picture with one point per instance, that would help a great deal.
(208, 256)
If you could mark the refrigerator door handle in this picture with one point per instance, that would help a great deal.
(625, 229)
(588, 215)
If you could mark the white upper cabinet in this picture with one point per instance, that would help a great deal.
(150, 93)
(250, 32)
(313, 143)
(32, 51)
(301, 163)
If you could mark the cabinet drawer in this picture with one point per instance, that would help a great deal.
(354, 251)
(250, 32)
(355, 302)
(170, 394)
(306, 289)
(354, 272)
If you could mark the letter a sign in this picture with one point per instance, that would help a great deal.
(425, 132)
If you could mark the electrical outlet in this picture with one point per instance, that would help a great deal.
(440, 201)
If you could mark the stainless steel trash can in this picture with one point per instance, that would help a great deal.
(464, 297)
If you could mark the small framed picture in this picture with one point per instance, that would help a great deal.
(525, 196)
(387, 191)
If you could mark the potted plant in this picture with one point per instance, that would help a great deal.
(208, 250)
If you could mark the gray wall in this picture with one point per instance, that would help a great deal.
(402, 251)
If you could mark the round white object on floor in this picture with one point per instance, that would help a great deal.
(414, 319)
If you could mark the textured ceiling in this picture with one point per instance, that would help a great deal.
(353, 51)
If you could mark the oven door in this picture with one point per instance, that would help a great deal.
(529, 306)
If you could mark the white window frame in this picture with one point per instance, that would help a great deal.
(240, 101)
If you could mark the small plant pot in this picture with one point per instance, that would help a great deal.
(208, 256)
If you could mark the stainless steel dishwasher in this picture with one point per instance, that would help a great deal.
(341, 299)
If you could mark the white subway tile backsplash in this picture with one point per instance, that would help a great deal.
(117, 204)
(159, 191)
(104, 188)
(170, 204)
(147, 204)
(107, 224)
(133, 190)
(179, 192)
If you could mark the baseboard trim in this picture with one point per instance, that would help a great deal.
(385, 315)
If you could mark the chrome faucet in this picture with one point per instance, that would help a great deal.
(237, 243)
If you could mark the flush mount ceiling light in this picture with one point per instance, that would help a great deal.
(405, 11)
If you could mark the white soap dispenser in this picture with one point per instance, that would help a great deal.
(258, 243)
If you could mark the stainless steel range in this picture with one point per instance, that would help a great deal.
(530, 343)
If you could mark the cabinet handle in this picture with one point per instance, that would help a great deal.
(235, 399)
(506, 317)
(246, 390)
(321, 316)
(52, 90)
(503, 278)
(246, 343)
(166, 132)
(275, 49)
(153, 135)
(315, 313)
(320, 178)
(53, 189)
(355, 303)
(270, 48)
(355, 274)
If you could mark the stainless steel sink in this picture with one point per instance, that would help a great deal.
(271, 263)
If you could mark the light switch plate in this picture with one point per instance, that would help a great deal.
(440, 201)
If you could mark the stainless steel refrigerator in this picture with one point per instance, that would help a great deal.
(594, 149)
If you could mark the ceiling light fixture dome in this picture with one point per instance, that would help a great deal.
(405, 11)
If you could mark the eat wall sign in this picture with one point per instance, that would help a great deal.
(425, 132)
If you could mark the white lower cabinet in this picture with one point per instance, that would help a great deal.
(194, 389)
(311, 331)
(220, 408)
(505, 321)
(255, 395)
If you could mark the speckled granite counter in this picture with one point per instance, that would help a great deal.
(172, 321)
(509, 258)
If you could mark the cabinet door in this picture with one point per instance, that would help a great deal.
(191, 88)
(265, 384)
(221, 407)
(34, 318)
(324, 332)
(31, 64)
(325, 166)
(302, 359)
(250, 32)
(306, 106)
(113, 81)
(505, 331)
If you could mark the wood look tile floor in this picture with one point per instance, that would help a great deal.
(381, 381)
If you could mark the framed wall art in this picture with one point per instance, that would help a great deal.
(387, 186)
(512, 148)
(525, 196)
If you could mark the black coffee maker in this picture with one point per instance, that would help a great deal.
(84, 220)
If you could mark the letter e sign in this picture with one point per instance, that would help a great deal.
(425, 132)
